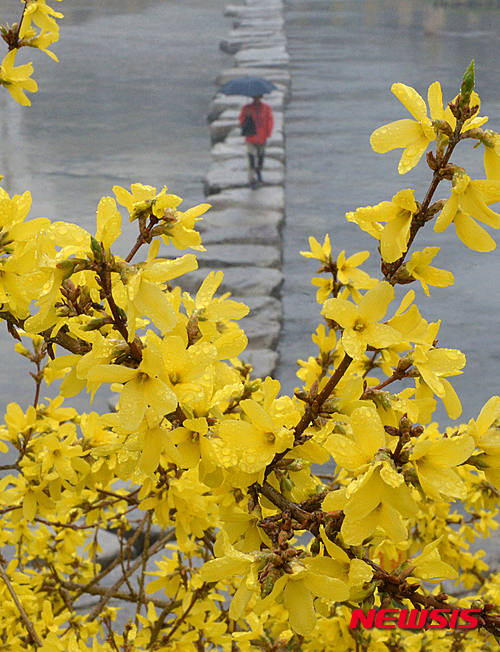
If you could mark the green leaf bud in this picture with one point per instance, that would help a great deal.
(98, 322)
(467, 85)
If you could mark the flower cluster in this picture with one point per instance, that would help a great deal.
(227, 537)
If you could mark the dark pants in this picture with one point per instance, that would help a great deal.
(255, 162)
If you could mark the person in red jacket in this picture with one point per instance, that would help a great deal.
(262, 115)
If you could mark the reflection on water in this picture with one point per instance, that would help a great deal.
(345, 56)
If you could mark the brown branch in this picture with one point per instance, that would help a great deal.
(196, 594)
(283, 503)
(62, 338)
(119, 595)
(110, 593)
(142, 238)
(312, 410)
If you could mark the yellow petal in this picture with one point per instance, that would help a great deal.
(342, 311)
(450, 400)
(489, 413)
(492, 163)
(410, 99)
(437, 480)
(473, 203)
(382, 212)
(240, 600)
(151, 302)
(299, 603)
(435, 100)
(447, 215)
(395, 236)
(381, 336)
(368, 431)
(391, 522)
(413, 153)
(354, 343)
(394, 135)
(359, 572)
(106, 373)
(473, 235)
(132, 405)
(322, 586)
(375, 302)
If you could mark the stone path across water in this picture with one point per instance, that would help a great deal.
(242, 231)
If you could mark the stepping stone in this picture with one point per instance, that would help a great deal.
(234, 45)
(240, 281)
(223, 177)
(278, 76)
(223, 151)
(249, 234)
(231, 255)
(266, 198)
(238, 217)
(266, 307)
(264, 361)
(261, 334)
(275, 57)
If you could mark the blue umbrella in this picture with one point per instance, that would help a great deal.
(250, 86)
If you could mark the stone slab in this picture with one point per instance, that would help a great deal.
(265, 8)
(278, 76)
(234, 45)
(265, 198)
(239, 216)
(227, 150)
(263, 233)
(255, 3)
(258, 22)
(231, 255)
(261, 334)
(263, 361)
(274, 57)
(266, 307)
(240, 281)
(240, 163)
(218, 180)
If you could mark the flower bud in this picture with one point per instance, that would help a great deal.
(467, 86)
(99, 322)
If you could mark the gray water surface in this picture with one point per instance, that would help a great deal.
(345, 55)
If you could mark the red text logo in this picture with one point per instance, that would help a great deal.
(415, 618)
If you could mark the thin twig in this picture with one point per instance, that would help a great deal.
(145, 557)
(24, 616)
(110, 593)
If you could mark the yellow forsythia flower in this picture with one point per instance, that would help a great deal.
(398, 214)
(360, 323)
(420, 268)
(17, 80)
(468, 203)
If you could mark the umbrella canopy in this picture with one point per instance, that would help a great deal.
(251, 86)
